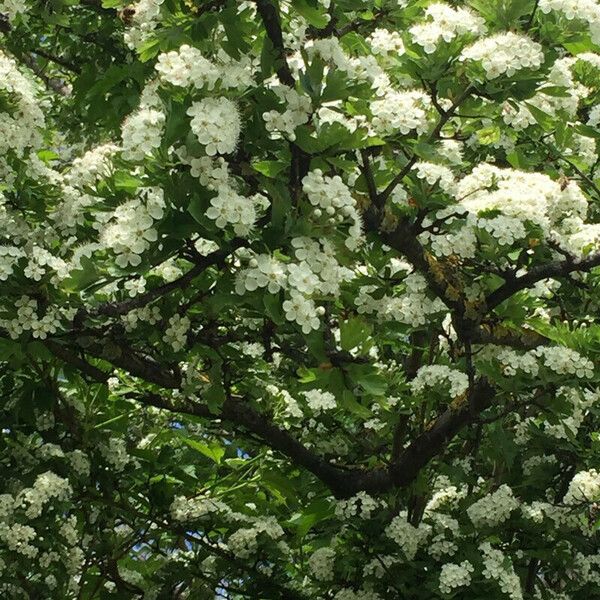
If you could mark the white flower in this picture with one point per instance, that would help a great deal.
(301, 310)
(176, 333)
(584, 488)
(504, 54)
(493, 509)
(216, 123)
(445, 23)
(321, 563)
(454, 576)
(297, 112)
(229, 207)
(497, 566)
(141, 133)
(436, 375)
(400, 112)
(318, 400)
(406, 535)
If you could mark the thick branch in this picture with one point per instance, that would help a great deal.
(560, 268)
(234, 410)
(525, 339)
(342, 482)
(404, 240)
(75, 361)
(270, 19)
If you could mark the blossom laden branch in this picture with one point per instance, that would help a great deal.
(202, 263)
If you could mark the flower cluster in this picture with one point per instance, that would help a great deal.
(498, 568)
(333, 202)
(318, 400)
(176, 332)
(360, 505)
(532, 197)
(230, 208)
(565, 361)
(13, 8)
(21, 116)
(582, 10)
(412, 307)
(493, 509)
(406, 535)
(187, 66)
(244, 542)
(216, 124)
(321, 563)
(504, 54)
(115, 453)
(584, 487)
(130, 230)
(46, 487)
(264, 271)
(213, 173)
(192, 509)
(445, 23)
(142, 133)
(384, 42)
(505, 230)
(400, 112)
(91, 167)
(435, 174)
(436, 375)
(297, 112)
(453, 576)
(303, 311)
(28, 319)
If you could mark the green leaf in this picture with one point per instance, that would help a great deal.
(272, 304)
(8, 348)
(269, 168)
(306, 375)
(312, 11)
(318, 511)
(199, 203)
(149, 50)
(280, 486)
(127, 182)
(81, 279)
(354, 332)
(588, 131)
(212, 450)
(488, 135)
(555, 90)
(369, 379)
(543, 118)
(348, 402)
(215, 396)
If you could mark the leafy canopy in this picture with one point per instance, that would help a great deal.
(299, 299)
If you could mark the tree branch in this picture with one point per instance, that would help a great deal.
(115, 309)
(62, 62)
(554, 269)
(270, 19)
(369, 179)
(238, 411)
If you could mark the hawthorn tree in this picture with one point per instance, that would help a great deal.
(299, 299)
